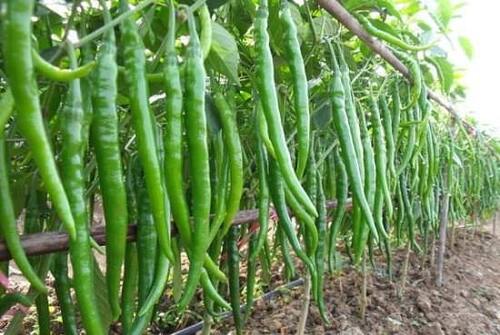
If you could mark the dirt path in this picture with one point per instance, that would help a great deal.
(468, 303)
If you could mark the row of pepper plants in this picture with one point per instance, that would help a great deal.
(174, 117)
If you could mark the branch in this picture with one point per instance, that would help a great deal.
(345, 18)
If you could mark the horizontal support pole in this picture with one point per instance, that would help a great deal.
(49, 242)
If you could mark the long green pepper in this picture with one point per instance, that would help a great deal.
(341, 124)
(21, 78)
(106, 143)
(8, 224)
(267, 92)
(73, 178)
(142, 120)
(300, 89)
(196, 130)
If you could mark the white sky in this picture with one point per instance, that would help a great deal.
(480, 22)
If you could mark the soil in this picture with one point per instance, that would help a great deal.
(467, 303)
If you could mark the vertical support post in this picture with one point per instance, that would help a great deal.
(495, 224)
(443, 223)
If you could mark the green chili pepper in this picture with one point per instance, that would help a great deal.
(285, 253)
(233, 265)
(338, 216)
(105, 139)
(129, 288)
(251, 275)
(55, 73)
(381, 159)
(173, 144)
(8, 225)
(43, 314)
(20, 72)
(416, 75)
(72, 160)
(263, 202)
(350, 158)
(300, 89)
(388, 37)
(320, 251)
(62, 285)
(361, 234)
(158, 285)
(388, 132)
(10, 299)
(350, 107)
(205, 30)
(196, 130)
(142, 120)
(276, 189)
(233, 146)
(267, 92)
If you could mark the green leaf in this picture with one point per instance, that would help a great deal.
(411, 8)
(224, 57)
(444, 12)
(467, 46)
(445, 71)
(213, 122)
(325, 26)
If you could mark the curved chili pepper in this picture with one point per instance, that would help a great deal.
(10, 299)
(233, 146)
(55, 73)
(20, 72)
(8, 225)
(267, 92)
(385, 36)
(276, 189)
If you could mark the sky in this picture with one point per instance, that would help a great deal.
(479, 21)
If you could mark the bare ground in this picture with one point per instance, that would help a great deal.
(467, 303)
